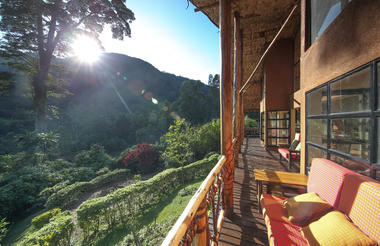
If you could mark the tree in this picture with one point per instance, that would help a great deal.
(213, 81)
(43, 29)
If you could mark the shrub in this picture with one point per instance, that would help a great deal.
(95, 158)
(248, 122)
(51, 190)
(178, 151)
(57, 232)
(206, 139)
(3, 228)
(141, 159)
(122, 205)
(71, 193)
(42, 219)
(148, 235)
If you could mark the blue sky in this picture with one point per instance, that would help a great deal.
(170, 37)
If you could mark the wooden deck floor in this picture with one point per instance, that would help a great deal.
(246, 226)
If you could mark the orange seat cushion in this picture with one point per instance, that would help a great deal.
(304, 208)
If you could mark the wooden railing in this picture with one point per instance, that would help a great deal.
(252, 131)
(205, 207)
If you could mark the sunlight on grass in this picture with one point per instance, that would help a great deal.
(19, 229)
(169, 209)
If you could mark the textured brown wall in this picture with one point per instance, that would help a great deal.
(279, 75)
(352, 40)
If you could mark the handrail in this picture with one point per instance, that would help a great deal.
(186, 220)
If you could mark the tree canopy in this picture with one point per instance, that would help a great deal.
(42, 29)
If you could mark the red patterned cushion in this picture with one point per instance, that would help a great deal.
(273, 207)
(285, 153)
(360, 200)
(281, 234)
(326, 179)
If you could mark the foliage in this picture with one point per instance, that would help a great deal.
(47, 192)
(206, 139)
(128, 203)
(214, 81)
(67, 195)
(57, 232)
(141, 159)
(184, 143)
(248, 122)
(148, 235)
(42, 219)
(95, 158)
(177, 144)
(46, 28)
(3, 228)
(197, 103)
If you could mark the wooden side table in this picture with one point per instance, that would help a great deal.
(277, 177)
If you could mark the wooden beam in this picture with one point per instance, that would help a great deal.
(225, 21)
(269, 47)
(208, 6)
(237, 76)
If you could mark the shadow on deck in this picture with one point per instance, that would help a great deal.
(246, 226)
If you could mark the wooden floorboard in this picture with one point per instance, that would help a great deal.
(246, 225)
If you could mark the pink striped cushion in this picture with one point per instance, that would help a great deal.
(360, 200)
(326, 179)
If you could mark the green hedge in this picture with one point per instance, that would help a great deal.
(124, 204)
(57, 232)
(70, 193)
(42, 219)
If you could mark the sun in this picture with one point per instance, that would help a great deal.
(86, 49)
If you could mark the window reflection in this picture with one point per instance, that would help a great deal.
(313, 152)
(351, 93)
(323, 13)
(351, 136)
(317, 131)
(317, 101)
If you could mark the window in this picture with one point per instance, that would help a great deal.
(278, 128)
(298, 120)
(322, 14)
(343, 122)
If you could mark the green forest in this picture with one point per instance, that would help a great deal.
(104, 153)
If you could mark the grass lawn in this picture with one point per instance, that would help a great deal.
(19, 228)
(167, 210)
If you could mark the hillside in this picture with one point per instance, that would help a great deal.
(117, 102)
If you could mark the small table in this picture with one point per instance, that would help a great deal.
(277, 177)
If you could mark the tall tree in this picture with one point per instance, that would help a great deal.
(43, 29)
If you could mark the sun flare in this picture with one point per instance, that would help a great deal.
(86, 49)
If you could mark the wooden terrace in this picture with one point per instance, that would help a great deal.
(246, 226)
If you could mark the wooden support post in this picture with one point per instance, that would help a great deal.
(237, 76)
(225, 25)
(201, 237)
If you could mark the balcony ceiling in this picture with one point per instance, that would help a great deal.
(260, 22)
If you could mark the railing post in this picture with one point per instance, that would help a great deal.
(201, 237)
(238, 82)
(225, 25)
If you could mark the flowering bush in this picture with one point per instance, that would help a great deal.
(141, 159)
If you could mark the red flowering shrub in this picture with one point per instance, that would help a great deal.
(141, 159)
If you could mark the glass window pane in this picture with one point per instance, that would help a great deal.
(313, 152)
(323, 13)
(351, 93)
(317, 101)
(378, 140)
(317, 131)
(272, 141)
(352, 164)
(272, 115)
(283, 114)
(283, 124)
(351, 136)
(283, 133)
(272, 123)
